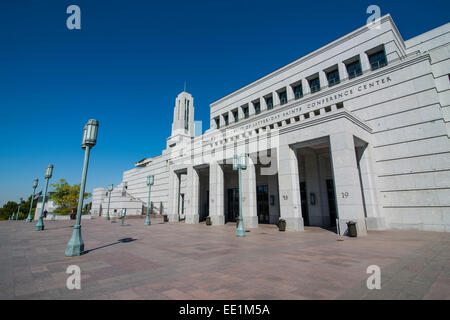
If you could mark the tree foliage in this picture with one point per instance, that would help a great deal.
(11, 208)
(65, 196)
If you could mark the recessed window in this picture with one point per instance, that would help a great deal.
(333, 77)
(217, 121)
(314, 84)
(269, 102)
(245, 112)
(235, 115)
(257, 107)
(354, 69)
(283, 97)
(225, 118)
(377, 60)
(298, 91)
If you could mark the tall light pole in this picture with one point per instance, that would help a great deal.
(75, 246)
(240, 163)
(124, 213)
(150, 180)
(110, 189)
(48, 175)
(35, 184)
(18, 208)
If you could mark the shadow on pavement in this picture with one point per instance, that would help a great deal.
(123, 240)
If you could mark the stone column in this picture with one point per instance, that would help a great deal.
(289, 188)
(290, 93)
(305, 87)
(365, 64)
(346, 180)
(342, 71)
(192, 196)
(249, 208)
(323, 79)
(374, 220)
(216, 194)
(174, 194)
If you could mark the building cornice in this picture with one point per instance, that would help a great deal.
(361, 30)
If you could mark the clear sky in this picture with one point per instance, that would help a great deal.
(130, 60)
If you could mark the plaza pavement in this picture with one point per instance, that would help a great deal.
(182, 261)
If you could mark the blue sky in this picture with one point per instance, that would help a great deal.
(130, 60)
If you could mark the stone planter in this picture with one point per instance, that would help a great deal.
(208, 220)
(351, 225)
(282, 225)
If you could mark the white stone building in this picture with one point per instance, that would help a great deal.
(356, 130)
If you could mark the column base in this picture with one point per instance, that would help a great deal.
(375, 223)
(217, 220)
(251, 222)
(75, 246)
(173, 217)
(360, 227)
(294, 224)
(192, 219)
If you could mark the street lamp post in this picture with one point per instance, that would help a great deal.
(110, 189)
(240, 163)
(124, 213)
(48, 175)
(35, 184)
(18, 208)
(75, 246)
(150, 180)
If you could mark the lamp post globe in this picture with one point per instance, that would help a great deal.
(110, 189)
(18, 208)
(150, 181)
(75, 246)
(35, 184)
(48, 175)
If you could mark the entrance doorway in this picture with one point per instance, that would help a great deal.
(304, 202)
(262, 197)
(233, 205)
(331, 202)
(182, 213)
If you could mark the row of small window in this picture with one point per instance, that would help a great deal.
(376, 60)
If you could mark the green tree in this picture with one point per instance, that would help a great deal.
(11, 207)
(65, 196)
(8, 209)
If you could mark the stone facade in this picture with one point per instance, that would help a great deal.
(357, 130)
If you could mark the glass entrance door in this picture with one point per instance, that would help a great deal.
(304, 202)
(233, 204)
(262, 196)
(331, 202)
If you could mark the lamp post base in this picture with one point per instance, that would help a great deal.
(29, 219)
(147, 221)
(75, 246)
(107, 218)
(240, 232)
(39, 225)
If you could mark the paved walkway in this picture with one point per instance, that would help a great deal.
(181, 261)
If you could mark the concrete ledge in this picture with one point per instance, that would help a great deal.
(294, 224)
(217, 220)
(375, 223)
(173, 217)
(360, 226)
(192, 219)
(250, 222)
